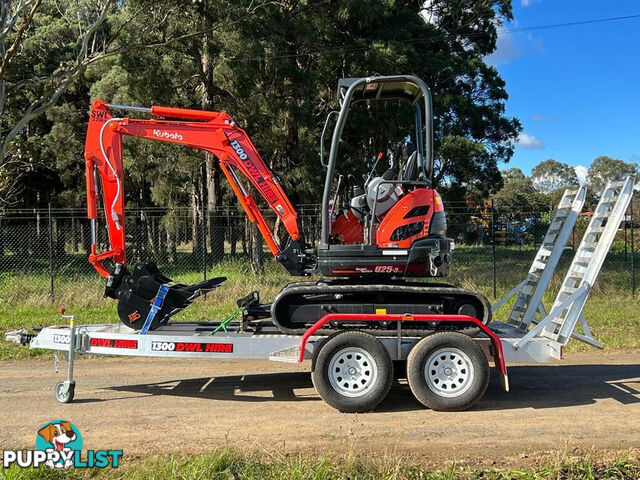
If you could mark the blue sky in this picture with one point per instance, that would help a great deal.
(575, 89)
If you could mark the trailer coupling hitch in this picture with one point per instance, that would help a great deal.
(136, 292)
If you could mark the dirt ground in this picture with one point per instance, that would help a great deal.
(586, 402)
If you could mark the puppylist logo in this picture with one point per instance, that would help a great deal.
(59, 447)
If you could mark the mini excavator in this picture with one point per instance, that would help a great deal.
(384, 234)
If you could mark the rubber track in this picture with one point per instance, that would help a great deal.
(319, 288)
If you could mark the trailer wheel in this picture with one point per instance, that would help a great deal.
(448, 372)
(64, 391)
(352, 371)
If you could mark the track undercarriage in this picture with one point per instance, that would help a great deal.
(301, 304)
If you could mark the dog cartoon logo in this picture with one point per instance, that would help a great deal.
(62, 437)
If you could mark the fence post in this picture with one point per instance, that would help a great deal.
(626, 227)
(493, 248)
(51, 286)
(633, 254)
(203, 240)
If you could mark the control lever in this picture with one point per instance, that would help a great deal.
(373, 169)
(357, 189)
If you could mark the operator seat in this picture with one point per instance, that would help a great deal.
(409, 171)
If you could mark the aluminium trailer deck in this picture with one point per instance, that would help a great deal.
(194, 340)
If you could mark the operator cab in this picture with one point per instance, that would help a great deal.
(390, 221)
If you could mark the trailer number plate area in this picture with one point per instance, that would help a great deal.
(192, 347)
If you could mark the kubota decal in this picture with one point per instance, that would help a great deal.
(167, 135)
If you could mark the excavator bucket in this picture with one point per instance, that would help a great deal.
(137, 291)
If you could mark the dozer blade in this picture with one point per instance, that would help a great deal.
(137, 290)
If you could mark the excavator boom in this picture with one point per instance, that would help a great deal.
(215, 132)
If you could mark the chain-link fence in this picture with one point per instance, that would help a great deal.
(43, 252)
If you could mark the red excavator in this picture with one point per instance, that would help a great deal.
(375, 234)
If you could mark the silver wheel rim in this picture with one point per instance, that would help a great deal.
(352, 372)
(449, 372)
(61, 392)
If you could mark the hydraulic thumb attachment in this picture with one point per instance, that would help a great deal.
(136, 294)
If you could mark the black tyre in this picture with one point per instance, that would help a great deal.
(448, 372)
(64, 391)
(352, 371)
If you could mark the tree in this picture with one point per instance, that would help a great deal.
(47, 47)
(604, 169)
(44, 48)
(518, 194)
(551, 175)
(285, 64)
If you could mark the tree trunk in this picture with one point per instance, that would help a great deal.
(195, 221)
(243, 235)
(215, 220)
(150, 237)
(233, 231)
(257, 260)
(291, 134)
(171, 247)
(40, 244)
(276, 231)
(75, 237)
(161, 240)
(60, 236)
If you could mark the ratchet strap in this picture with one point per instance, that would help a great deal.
(155, 308)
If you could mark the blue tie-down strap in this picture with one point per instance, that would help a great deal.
(155, 308)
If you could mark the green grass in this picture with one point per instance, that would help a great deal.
(613, 314)
(231, 464)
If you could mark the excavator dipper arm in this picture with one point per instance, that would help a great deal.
(215, 132)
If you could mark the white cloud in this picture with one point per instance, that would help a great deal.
(512, 45)
(530, 142)
(581, 173)
(527, 3)
(506, 49)
(537, 117)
